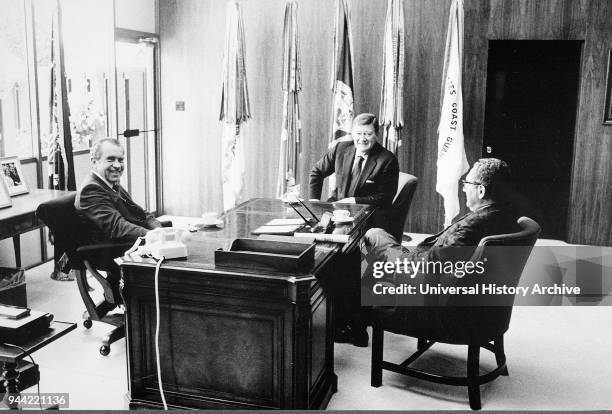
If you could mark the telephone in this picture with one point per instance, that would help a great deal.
(163, 242)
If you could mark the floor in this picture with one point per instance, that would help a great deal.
(558, 357)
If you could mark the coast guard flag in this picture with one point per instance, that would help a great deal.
(341, 80)
(452, 162)
(235, 107)
(291, 146)
(392, 90)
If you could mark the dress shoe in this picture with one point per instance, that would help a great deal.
(361, 338)
(343, 335)
(346, 334)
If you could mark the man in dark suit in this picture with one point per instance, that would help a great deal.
(485, 188)
(108, 211)
(366, 173)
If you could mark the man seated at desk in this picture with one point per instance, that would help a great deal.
(108, 211)
(366, 173)
(485, 188)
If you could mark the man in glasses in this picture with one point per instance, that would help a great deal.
(486, 192)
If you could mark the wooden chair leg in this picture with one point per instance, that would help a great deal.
(473, 368)
(500, 355)
(377, 354)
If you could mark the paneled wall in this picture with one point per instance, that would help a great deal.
(192, 34)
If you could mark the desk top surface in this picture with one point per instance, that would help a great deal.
(241, 221)
(28, 203)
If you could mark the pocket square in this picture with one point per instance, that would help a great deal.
(369, 182)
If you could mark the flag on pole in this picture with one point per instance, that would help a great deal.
(235, 108)
(342, 75)
(59, 156)
(391, 97)
(341, 80)
(291, 146)
(452, 161)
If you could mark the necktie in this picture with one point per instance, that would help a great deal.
(355, 172)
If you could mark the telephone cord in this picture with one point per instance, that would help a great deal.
(157, 312)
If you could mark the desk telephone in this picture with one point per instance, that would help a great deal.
(162, 242)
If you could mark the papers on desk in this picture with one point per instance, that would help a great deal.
(330, 238)
(286, 222)
(280, 226)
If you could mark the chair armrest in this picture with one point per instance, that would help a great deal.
(103, 250)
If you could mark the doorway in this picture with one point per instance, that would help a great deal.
(136, 117)
(530, 119)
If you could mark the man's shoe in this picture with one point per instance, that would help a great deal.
(343, 335)
(361, 338)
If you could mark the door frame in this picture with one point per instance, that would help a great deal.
(135, 36)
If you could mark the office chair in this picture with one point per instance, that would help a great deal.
(474, 326)
(68, 232)
(393, 219)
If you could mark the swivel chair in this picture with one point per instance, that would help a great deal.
(474, 326)
(393, 219)
(69, 241)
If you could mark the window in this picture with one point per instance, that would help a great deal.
(15, 119)
(87, 45)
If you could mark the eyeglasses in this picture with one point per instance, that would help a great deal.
(464, 182)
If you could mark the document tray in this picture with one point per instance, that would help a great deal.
(266, 254)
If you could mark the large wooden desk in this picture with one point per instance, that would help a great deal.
(234, 339)
(21, 218)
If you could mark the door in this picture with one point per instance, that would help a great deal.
(136, 120)
(530, 117)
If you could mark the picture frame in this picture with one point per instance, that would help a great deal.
(607, 118)
(12, 176)
(5, 197)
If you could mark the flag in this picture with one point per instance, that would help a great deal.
(291, 146)
(235, 108)
(341, 80)
(452, 161)
(59, 156)
(391, 96)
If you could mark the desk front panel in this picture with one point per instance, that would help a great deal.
(226, 342)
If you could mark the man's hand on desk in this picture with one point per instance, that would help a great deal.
(349, 200)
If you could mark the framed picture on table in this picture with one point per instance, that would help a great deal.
(13, 176)
(5, 197)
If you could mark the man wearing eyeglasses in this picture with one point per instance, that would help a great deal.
(366, 173)
(486, 192)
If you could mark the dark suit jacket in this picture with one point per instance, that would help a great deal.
(377, 183)
(459, 240)
(110, 215)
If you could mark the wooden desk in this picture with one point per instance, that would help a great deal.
(21, 218)
(11, 356)
(234, 339)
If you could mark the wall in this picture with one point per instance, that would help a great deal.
(192, 31)
(136, 15)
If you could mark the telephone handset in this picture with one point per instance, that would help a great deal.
(163, 242)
